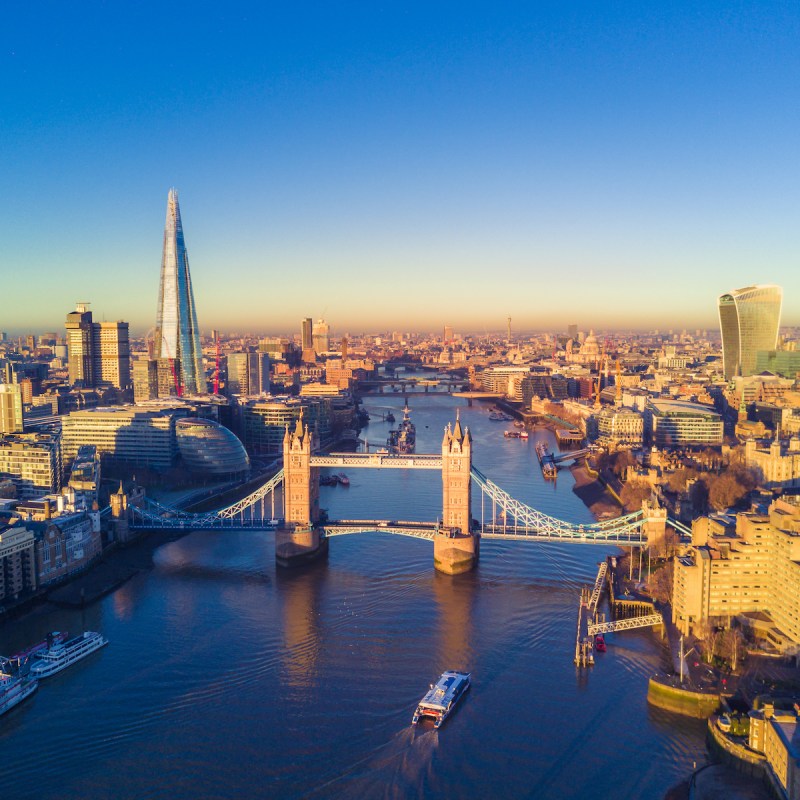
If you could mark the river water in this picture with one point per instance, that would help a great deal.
(228, 677)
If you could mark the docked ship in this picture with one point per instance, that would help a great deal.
(14, 690)
(53, 638)
(516, 434)
(64, 655)
(442, 698)
(403, 440)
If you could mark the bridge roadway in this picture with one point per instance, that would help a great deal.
(377, 461)
(419, 530)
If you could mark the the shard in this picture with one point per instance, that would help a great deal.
(177, 337)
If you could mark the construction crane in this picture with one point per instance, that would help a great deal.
(216, 367)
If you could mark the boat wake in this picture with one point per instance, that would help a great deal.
(398, 769)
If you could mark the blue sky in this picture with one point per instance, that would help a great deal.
(399, 166)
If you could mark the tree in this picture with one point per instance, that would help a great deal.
(633, 493)
(660, 583)
(726, 491)
(679, 479)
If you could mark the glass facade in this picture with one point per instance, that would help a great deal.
(209, 449)
(177, 335)
(748, 319)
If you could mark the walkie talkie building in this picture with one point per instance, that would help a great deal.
(177, 337)
(748, 319)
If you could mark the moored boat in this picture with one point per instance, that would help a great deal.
(442, 697)
(53, 638)
(51, 661)
(14, 690)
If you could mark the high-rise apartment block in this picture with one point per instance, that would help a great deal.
(10, 408)
(750, 571)
(749, 319)
(98, 352)
(177, 336)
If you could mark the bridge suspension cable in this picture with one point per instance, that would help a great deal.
(159, 515)
(520, 521)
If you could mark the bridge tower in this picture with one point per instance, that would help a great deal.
(120, 516)
(456, 546)
(654, 526)
(299, 539)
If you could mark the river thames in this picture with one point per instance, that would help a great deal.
(228, 677)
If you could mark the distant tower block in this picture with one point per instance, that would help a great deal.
(508, 320)
(456, 546)
(299, 541)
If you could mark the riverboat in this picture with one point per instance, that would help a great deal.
(14, 690)
(64, 655)
(442, 697)
(343, 479)
(53, 638)
(600, 643)
(516, 434)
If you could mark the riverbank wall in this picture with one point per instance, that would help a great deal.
(661, 694)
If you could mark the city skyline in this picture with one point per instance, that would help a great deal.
(389, 170)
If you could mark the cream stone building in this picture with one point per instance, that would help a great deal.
(748, 568)
(778, 465)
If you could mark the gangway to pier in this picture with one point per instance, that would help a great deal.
(625, 624)
(598, 587)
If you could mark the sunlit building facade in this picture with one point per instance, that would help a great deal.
(177, 336)
(748, 319)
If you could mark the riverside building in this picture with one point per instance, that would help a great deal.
(124, 433)
(746, 567)
(32, 461)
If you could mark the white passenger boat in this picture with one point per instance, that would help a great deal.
(64, 655)
(439, 702)
(14, 690)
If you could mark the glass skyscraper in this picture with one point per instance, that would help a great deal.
(177, 337)
(748, 319)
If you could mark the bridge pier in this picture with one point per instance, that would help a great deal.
(299, 544)
(454, 552)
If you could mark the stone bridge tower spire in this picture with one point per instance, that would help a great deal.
(456, 546)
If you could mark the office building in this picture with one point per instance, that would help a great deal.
(676, 423)
(32, 461)
(10, 408)
(320, 338)
(785, 363)
(177, 336)
(98, 353)
(208, 449)
(79, 346)
(17, 561)
(145, 380)
(306, 334)
(131, 434)
(749, 319)
(248, 373)
(264, 421)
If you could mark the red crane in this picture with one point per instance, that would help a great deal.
(216, 368)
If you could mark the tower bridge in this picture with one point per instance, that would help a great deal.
(302, 530)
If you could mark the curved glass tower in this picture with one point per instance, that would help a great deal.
(749, 319)
(177, 337)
